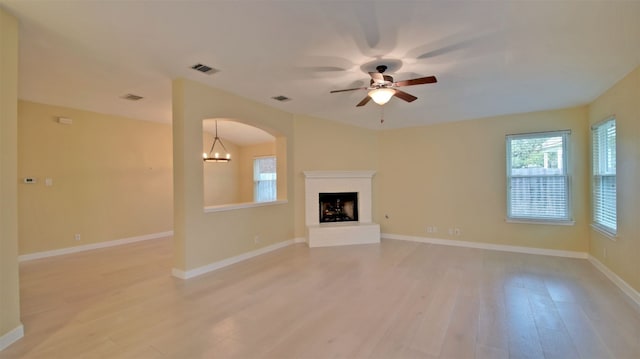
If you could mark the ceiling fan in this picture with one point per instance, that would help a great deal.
(382, 88)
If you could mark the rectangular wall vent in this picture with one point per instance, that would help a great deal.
(281, 98)
(132, 97)
(204, 69)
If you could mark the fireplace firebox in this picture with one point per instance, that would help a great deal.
(338, 207)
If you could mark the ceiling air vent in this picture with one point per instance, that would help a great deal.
(132, 97)
(204, 69)
(281, 98)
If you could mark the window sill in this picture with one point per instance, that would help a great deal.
(234, 206)
(605, 232)
(539, 221)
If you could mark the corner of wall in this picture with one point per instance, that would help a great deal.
(10, 326)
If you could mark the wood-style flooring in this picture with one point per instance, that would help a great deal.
(393, 300)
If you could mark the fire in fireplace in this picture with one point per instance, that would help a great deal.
(338, 207)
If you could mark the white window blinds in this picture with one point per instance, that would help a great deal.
(264, 179)
(537, 178)
(604, 175)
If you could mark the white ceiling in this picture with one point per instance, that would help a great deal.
(490, 57)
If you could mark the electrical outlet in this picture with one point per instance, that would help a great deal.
(76, 236)
(256, 239)
(434, 229)
(451, 231)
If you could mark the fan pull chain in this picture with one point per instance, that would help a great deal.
(381, 115)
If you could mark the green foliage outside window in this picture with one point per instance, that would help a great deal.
(526, 153)
(532, 152)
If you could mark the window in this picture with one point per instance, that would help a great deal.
(538, 184)
(603, 138)
(264, 179)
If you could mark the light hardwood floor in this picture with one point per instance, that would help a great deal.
(393, 300)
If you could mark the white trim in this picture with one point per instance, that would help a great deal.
(489, 246)
(604, 231)
(233, 206)
(633, 294)
(300, 240)
(179, 273)
(11, 337)
(601, 122)
(540, 221)
(88, 247)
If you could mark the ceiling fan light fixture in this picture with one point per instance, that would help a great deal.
(382, 95)
(382, 87)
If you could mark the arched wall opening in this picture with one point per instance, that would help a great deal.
(253, 174)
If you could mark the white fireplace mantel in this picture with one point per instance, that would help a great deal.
(344, 233)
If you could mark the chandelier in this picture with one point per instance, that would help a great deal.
(214, 155)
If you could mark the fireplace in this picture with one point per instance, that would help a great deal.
(338, 207)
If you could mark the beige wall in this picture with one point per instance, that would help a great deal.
(247, 155)
(453, 175)
(111, 177)
(204, 238)
(283, 172)
(327, 145)
(221, 179)
(623, 254)
(9, 287)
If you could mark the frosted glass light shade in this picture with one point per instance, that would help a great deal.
(381, 95)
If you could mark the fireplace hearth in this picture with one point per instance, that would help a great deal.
(338, 207)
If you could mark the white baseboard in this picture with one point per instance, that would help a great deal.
(178, 273)
(633, 294)
(300, 240)
(88, 247)
(11, 337)
(489, 246)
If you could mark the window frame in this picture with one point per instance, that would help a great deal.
(597, 172)
(257, 181)
(566, 169)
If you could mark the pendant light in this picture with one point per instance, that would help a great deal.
(214, 156)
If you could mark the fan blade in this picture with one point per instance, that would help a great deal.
(353, 89)
(405, 96)
(377, 77)
(418, 81)
(364, 101)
